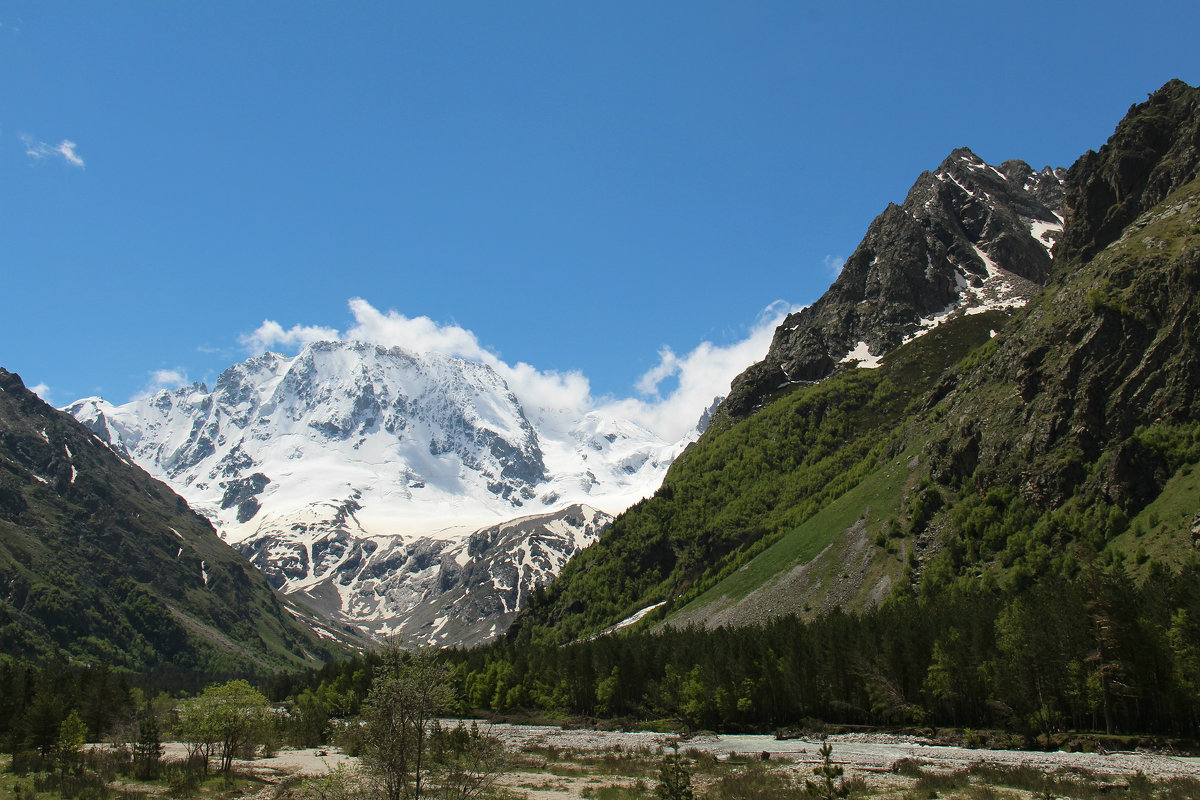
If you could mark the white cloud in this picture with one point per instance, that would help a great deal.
(419, 334)
(271, 334)
(668, 365)
(551, 399)
(833, 265)
(66, 149)
(37, 150)
(164, 379)
(701, 375)
(556, 398)
(42, 391)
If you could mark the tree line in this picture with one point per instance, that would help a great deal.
(1098, 651)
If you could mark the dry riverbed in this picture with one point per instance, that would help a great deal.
(552, 763)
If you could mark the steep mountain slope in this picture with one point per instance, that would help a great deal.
(350, 472)
(1067, 438)
(102, 562)
(442, 591)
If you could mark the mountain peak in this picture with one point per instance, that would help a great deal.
(968, 237)
(353, 467)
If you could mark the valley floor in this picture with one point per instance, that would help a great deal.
(551, 763)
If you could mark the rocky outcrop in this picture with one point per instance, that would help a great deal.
(968, 235)
(1110, 345)
(1154, 151)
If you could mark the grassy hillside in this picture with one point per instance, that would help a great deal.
(760, 490)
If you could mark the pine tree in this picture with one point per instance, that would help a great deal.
(674, 779)
(148, 750)
(829, 787)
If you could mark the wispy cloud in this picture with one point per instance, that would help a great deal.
(833, 265)
(551, 397)
(701, 375)
(271, 334)
(39, 150)
(164, 379)
(42, 391)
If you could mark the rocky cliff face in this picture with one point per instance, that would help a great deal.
(1110, 345)
(1154, 151)
(969, 237)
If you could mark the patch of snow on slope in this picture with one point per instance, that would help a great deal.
(630, 620)
(946, 176)
(1045, 233)
(862, 354)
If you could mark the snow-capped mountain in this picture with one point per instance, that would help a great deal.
(444, 591)
(359, 475)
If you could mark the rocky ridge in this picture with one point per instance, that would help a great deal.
(969, 237)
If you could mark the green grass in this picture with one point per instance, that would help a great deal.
(1162, 531)
(877, 498)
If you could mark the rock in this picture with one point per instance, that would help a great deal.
(1155, 150)
(965, 236)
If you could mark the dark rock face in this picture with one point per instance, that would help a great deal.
(965, 235)
(1110, 345)
(1155, 150)
(240, 490)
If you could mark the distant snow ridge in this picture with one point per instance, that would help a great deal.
(351, 472)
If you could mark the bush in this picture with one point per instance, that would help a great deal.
(758, 782)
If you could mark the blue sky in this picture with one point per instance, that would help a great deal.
(583, 187)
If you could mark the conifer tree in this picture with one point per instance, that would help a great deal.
(148, 750)
(828, 787)
(674, 779)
